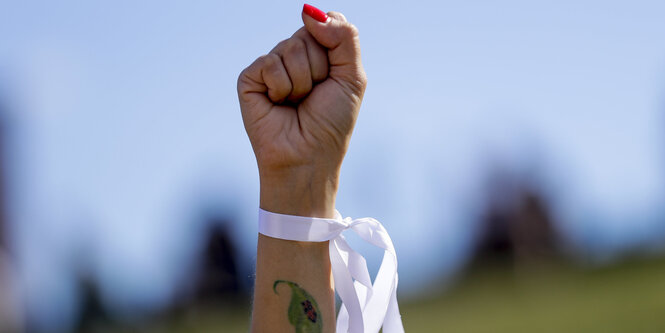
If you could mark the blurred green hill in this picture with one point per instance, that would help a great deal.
(625, 298)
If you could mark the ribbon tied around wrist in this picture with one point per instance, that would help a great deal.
(366, 307)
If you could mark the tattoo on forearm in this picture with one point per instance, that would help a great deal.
(303, 311)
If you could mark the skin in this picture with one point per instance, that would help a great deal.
(299, 105)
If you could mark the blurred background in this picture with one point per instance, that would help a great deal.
(515, 151)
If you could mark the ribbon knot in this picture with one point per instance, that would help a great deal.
(366, 306)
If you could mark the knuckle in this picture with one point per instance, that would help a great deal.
(338, 16)
(293, 47)
(272, 65)
(349, 30)
(268, 60)
(244, 79)
(279, 47)
(240, 83)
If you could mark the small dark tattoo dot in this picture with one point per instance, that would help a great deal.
(309, 310)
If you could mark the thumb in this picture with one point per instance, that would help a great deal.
(340, 37)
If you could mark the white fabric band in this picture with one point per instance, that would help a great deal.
(365, 307)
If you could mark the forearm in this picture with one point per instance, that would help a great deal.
(304, 265)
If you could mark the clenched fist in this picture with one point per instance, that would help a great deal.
(299, 105)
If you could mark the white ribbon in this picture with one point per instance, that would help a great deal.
(365, 307)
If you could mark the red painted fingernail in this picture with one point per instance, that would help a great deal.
(315, 13)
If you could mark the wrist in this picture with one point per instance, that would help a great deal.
(303, 191)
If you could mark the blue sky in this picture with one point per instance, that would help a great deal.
(125, 126)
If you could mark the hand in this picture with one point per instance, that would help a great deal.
(299, 105)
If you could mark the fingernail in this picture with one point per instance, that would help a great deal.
(315, 13)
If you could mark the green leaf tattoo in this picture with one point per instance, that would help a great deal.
(303, 310)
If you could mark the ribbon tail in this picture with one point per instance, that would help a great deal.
(353, 322)
(342, 320)
(393, 321)
(376, 312)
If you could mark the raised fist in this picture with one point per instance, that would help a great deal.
(299, 105)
